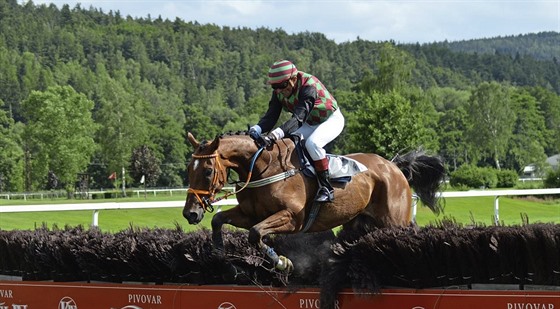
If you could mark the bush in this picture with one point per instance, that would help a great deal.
(552, 179)
(465, 176)
(473, 177)
(507, 178)
(489, 177)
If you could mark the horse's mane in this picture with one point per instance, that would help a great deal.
(232, 133)
(205, 143)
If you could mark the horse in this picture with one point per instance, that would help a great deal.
(275, 197)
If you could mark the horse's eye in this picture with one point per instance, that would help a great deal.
(208, 172)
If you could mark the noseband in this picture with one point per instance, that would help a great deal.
(206, 202)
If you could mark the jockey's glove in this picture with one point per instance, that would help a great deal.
(268, 139)
(265, 140)
(255, 132)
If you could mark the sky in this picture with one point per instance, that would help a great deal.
(406, 21)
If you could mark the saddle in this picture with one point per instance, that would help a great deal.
(341, 168)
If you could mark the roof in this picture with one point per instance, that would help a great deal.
(553, 160)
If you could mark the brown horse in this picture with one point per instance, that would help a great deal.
(276, 197)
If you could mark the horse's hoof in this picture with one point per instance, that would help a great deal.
(284, 264)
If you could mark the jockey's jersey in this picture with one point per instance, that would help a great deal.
(325, 104)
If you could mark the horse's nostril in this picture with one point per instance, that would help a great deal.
(191, 217)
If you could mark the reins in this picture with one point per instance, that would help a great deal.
(207, 202)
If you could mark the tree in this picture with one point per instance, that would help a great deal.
(11, 155)
(549, 106)
(144, 163)
(528, 141)
(492, 120)
(385, 124)
(394, 68)
(452, 124)
(59, 134)
(123, 124)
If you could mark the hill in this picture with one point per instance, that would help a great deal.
(540, 46)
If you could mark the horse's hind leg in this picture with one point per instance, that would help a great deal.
(280, 222)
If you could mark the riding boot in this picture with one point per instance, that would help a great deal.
(326, 191)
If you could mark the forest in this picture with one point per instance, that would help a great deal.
(87, 92)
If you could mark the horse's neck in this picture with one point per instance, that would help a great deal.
(279, 159)
(270, 162)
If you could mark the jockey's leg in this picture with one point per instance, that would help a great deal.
(320, 136)
(326, 191)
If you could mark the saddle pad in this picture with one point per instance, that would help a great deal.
(341, 168)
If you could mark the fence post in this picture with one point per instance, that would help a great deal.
(95, 219)
(496, 210)
(414, 206)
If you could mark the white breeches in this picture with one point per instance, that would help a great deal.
(317, 136)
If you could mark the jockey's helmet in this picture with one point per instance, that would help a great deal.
(280, 71)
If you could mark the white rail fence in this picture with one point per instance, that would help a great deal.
(96, 207)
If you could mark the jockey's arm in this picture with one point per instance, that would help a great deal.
(306, 101)
(272, 114)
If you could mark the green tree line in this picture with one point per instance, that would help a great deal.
(87, 91)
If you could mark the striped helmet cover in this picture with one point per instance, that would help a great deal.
(280, 71)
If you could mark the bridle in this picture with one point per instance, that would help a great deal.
(206, 202)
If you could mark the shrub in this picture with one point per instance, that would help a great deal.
(552, 179)
(507, 178)
(465, 176)
(473, 177)
(488, 177)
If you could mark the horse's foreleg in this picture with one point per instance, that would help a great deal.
(231, 216)
(280, 222)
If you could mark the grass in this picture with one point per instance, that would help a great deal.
(463, 210)
(481, 210)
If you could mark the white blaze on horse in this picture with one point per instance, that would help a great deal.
(275, 197)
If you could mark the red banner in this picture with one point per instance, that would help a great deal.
(49, 295)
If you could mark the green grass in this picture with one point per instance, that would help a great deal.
(469, 210)
(463, 210)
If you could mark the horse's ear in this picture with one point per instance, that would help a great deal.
(215, 143)
(192, 140)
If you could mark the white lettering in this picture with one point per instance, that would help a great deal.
(144, 299)
(14, 306)
(306, 303)
(6, 294)
(530, 306)
(313, 303)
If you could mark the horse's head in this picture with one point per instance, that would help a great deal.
(207, 176)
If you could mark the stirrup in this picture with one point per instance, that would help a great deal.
(324, 195)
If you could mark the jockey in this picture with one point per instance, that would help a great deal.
(315, 115)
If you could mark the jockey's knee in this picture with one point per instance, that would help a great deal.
(315, 150)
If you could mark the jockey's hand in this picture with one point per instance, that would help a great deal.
(269, 139)
(254, 133)
(266, 140)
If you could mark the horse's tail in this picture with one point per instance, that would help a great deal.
(425, 175)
